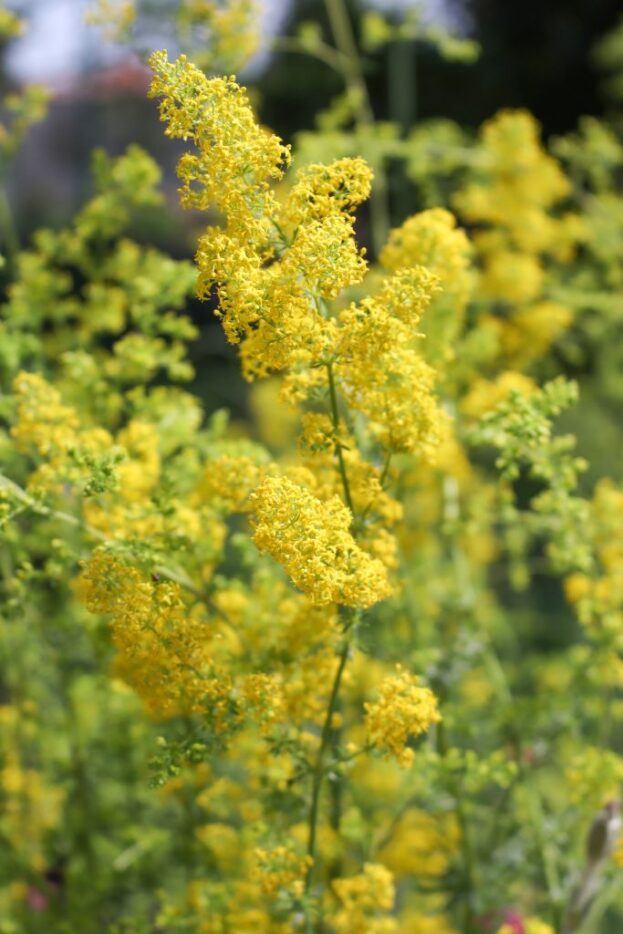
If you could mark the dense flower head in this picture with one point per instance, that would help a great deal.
(270, 301)
(522, 182)
(43, 422)
(515, 199)
(50, 428)
(272, 266)
(433, 240)
(396, 395)
(231, 474)
(422, 845)
(403, 710)
(280, 868)
(381, 372)
(364, 900)
(311, 539)
(324, 190)
(236, 157)
(163, 645)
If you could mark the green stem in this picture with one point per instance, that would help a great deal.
(467, 851)
(591, 923)
(318, 773)
(7, 227)
(335, 418)
(346, 45)
(321, 50)
(402, 87)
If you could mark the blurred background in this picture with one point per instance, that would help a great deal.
(533, 54)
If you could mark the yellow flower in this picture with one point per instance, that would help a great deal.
(362, 898)
(236, 157)
(403, 711)
(485, 394)
(381, 373)
(280, 868)
(163, 646)
(431, 239)
(311, 539)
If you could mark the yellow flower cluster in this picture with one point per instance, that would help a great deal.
(270, 619)
(530, 330)
(381, 373)
(432, 239)
(485, 394)
(29, 806)
(262, 697)
(598, 597)
(377, 511)
(521, 183)
(45, 424)
(280, 869)
(362, 899)
(403, 711)
(163, 645)
(311, 539)
(273, 266)
(227, 34)
(516, 197)
(236, 157)
(422, 845)
(276, 303)
(229, 480)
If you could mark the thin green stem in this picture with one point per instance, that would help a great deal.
(10, 240)
(385, 471)
(318, 772)
(320, 50)
(467, 852)
(352, 72)
(591, 923)
(335, 418)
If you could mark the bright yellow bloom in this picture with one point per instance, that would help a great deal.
(325, 190)
(432, 239)
(362, 898)
(163, 646)
(230, 479)
(311, 539)
(421, 845)
(403, 711)
(485, 394)
(236, 158)
(381, 373)
(280, 868)
(43, 421)
(521, 183)
(53, 429)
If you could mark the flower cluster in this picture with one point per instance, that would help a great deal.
(311, 539)
(365, 900)
(163, 645)
(404, 710)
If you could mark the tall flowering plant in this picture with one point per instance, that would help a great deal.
(286, 675)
